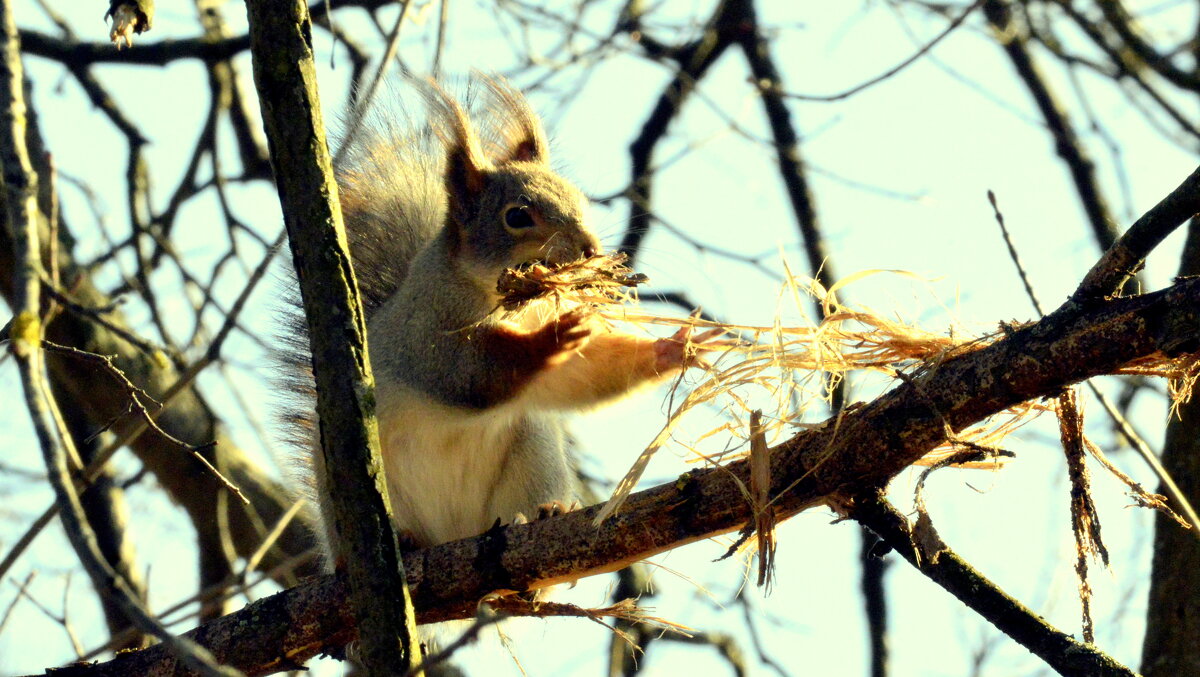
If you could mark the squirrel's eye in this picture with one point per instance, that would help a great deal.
(518, 218)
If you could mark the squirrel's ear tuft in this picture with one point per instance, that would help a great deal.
(466, 165)
(465, 177)
(519, 132)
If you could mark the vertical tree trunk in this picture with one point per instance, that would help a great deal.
(1172, 645)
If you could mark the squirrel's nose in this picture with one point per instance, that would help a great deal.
(591, 246)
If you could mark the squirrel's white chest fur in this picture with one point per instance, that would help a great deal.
(452, 473)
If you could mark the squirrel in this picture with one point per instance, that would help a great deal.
(470, 401)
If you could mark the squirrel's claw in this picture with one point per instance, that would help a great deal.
(556, 508)
(682, 349)
(544, 510)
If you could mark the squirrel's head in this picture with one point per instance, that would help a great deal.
(507, 207)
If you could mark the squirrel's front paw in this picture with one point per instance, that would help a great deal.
(563, 335)
(682, 350)
(529, 352)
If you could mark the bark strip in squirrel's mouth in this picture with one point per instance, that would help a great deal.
(598, 278)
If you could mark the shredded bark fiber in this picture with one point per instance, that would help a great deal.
(796, 366)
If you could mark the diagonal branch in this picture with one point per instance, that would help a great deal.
(694, 60)
(870, 445)
(925, 551)
(766, 75)
(21, 222)
(1126, 256)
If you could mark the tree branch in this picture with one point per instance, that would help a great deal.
(77, 54)
(833, 463)
(1066, 141)
(1126, 256)
(925, 551)
(21, 222)
(787, 145)
(185, 417)
(694, 60)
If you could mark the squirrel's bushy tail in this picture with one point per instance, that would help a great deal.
(393, 200)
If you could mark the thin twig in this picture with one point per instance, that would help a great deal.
(1139, 443)
(925, 49)
(13, 604)
(1012, 253)
(253, 560)
(134, 395)
(363, 104)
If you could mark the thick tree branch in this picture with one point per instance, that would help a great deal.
(160, 53)
(830, 464)
(77, 54)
